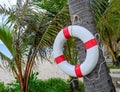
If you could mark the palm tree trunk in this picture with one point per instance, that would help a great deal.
(99, 80)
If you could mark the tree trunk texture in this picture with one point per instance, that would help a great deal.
(99, 79)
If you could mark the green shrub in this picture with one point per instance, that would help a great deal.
(114, 67)
(14, 86)
(3, 88)
(50, 85)
(56, 85)
(36, 85)
(81, 85)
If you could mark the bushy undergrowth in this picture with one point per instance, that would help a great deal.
(114, 67)
(50, 85)
(3, 88)
(36, 85)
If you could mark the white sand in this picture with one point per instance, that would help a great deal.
(5, 76)
(46, 70)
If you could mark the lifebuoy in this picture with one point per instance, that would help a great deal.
(91, 47)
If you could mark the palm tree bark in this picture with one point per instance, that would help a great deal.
(99, 79)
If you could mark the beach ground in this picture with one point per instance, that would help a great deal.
(47, 70)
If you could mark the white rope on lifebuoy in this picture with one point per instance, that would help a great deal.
(91, 47)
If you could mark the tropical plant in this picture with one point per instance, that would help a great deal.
(33, 29)
(71, 55)
(71, 52)
(3, 88)
(107, 20)
(81, 14)
(37, 85)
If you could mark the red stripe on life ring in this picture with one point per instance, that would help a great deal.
(90, 43)
(60, 59)
(78, 71)
(66, 33)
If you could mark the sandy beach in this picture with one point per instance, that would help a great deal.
(46, 70)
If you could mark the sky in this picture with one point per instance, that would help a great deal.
(8, 2)
(3, 48)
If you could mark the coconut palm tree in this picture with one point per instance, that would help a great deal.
(33, 30)
(99, 79)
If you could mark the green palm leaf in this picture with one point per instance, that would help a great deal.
(6, 36)
(107, 17)
(55, 26)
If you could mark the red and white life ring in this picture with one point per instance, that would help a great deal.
(91, 47)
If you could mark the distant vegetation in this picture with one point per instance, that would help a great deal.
(36, 85)
(114, 67)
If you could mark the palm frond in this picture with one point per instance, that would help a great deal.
(6, 36)
(98, 8)
(71, 52)
(60, 20)
(46, 26)
(107, 17)
(110, 20)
